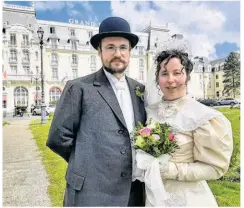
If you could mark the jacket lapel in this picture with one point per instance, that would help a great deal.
(135, 100)
(106, 91)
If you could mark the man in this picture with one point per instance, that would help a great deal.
(92, 123)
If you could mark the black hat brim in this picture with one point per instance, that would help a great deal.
(96, 39)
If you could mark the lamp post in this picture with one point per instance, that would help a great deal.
(40, 33)
(36, 79)
(203, 73)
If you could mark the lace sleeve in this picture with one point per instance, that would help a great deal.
(213, 146)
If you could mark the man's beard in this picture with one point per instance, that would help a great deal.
(112, 70)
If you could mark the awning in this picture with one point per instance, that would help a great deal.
(37, 96)
(4, 97)
(54, 87)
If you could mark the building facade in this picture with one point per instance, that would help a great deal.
(67, 54)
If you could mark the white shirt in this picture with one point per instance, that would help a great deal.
(121, 90)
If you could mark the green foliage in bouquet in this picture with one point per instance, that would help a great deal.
(155, 139)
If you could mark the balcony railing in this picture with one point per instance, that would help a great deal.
(74, 64)
(25, 61)
(68, 48)
(55, 79)
(19, 77)
(12, 45)
(25, 44)
(54, 63)
(13, 61)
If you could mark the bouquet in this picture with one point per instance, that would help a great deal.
(154, 145)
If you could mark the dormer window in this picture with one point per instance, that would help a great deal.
(72, 32)
(52, 30)
(90, 33)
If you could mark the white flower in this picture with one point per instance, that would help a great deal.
(151, 126)
(156, 137)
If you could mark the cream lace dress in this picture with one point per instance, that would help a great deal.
(204, 136)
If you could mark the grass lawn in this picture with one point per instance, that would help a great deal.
(227, 189)
(227, 193)
(5, 123)
(55, 166)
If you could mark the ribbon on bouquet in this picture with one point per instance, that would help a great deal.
(155, 191)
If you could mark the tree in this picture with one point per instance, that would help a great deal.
(232, 74)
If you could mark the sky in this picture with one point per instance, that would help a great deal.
(212, 28)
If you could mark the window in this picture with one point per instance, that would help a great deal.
(36, 54)
(54, 58)
(140, 50)
(141, 75)
(73, 45)
(54, 43)
(37, 70)
(21, 96)
(74, 73)
(199, 68)
(217, 76)
(52, 30)
(13, 69)
(141, 63)
(217, 84)
(74, 59)
(54, 94)
(26, 70)
(209, 84)
(4, 103)
(72, 32)
(26, 56)
(13, 39)
(93, 63)
(90, 34)
(54, 73)
(217, 93)
(25, 40)
(13, 55)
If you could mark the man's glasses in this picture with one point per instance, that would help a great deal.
(112, 49)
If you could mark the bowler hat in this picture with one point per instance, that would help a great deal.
(114, 27)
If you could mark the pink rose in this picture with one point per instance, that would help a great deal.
(145, 132)
(171, 137)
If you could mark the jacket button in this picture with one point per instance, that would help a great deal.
(123, 174)
(122, 151)
(121, 131)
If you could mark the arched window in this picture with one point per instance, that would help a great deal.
(20, 96)
(54, 58)
(54, 94)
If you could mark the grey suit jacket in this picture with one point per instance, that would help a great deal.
(89, 131)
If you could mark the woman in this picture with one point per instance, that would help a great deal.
(203, 134)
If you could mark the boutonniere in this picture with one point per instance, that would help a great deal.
(139, 93)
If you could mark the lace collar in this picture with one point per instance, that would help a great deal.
(167, 110)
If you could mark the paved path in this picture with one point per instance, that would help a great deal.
(24, 178)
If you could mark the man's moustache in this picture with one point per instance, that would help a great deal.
(117, 60)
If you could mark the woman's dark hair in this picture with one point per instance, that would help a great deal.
(169, 54)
